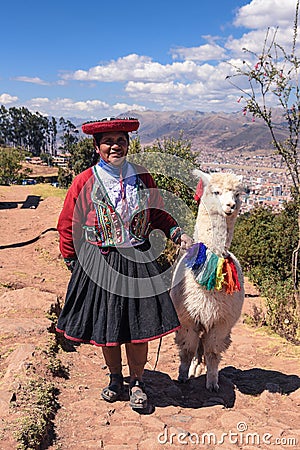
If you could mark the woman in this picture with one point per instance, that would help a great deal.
(116, 294)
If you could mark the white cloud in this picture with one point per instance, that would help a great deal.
(6, 99)
(263, 13)
(195, 79)
(252, 41)
(207, 52)
(266, 19)
(66, 105)
(136, 68)
(34, 80)
(119, 70)
(81, 109)
(123, 107)
(172, 96)
(38, 101)
(199, 75)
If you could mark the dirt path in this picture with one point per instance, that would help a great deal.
(257, 406)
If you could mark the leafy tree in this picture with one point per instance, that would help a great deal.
(52, 137)
(10, 165)
(4, 125)
(33, 132)
(38, 128)
(83, 155)
(270, 241)
(171, 162)
(274, 75)
(135, 146)
(70, 135)
(47, 158)
(65, 177)
(17, 129)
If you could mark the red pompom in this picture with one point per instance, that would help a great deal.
(199, 191)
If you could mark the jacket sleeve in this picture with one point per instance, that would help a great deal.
(72, 216)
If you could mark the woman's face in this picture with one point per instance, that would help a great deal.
(113, 147)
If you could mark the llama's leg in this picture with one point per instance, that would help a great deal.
(216, 341)
(187, 341)
(195, 369)
(212, 363)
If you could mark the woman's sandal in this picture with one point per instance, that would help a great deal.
(138, 398)
(113, 391)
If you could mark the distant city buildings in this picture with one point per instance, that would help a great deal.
(57, 161)
(61, 160)
(265, 177)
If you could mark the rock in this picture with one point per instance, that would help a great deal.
(23, 325)
(27, 298)
(17, 362)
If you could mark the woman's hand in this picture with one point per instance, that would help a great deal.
(185, 241)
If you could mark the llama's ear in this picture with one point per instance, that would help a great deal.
(203, 180)
(205, 177)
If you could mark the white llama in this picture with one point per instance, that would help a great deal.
(208, 287)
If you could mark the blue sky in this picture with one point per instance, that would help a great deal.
(93, 59)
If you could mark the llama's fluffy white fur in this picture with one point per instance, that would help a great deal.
(207, 317)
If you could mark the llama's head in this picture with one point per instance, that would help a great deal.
(219, 206)
(221, 192)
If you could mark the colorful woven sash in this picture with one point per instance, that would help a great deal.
(211, 271)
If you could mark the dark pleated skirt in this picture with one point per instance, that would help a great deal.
(115, 297)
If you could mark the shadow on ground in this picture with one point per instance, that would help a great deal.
(31, 202)
(163, 391)
(30, 241)
(255, 381)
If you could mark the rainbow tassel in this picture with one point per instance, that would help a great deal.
(208, 278)
(220, 275)
(196, 256)
(235, 275)
(212, 271)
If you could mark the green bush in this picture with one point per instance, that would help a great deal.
(266, 257)
(10, 165)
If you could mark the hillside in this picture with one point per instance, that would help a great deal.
(257, 405)
(225, 131)
(219, 130)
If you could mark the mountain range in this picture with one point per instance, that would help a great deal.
(214, 130)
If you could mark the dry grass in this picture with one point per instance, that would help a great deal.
(40, 171)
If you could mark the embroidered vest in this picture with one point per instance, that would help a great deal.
(109, 227)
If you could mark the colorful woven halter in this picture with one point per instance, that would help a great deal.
(211, 271)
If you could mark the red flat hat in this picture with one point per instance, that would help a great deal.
(110, 124)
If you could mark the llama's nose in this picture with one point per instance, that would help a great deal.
(231, 205)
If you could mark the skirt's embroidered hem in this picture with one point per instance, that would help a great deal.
(115, 344)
